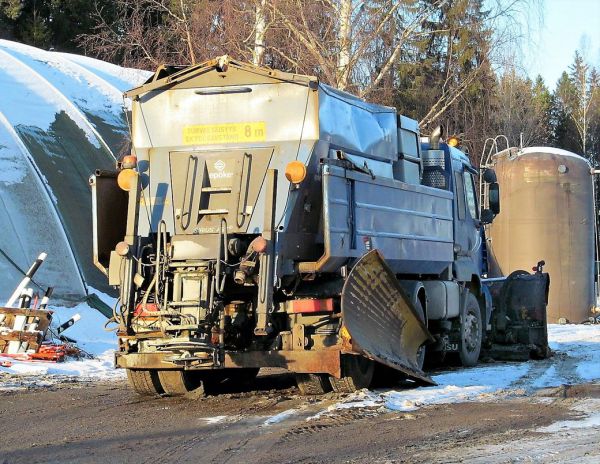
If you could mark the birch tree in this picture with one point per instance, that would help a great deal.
(345, 44)
(585, 100)
(260, 29)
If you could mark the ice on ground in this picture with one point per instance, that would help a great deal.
(214, 420)
(576, 359)
(90, 336)
(280, 417)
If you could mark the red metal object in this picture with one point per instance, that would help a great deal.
(54, 353)
(47, 352)
(150, 308)
(311, 306)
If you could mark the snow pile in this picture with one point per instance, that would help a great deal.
(576, 360)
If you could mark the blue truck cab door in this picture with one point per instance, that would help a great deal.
(467, 225)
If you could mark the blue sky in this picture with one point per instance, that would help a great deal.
(567, 25)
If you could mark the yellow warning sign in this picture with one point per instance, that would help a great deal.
(211, 134)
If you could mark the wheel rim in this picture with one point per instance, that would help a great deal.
(472, 332)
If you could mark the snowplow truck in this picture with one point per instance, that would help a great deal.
(265, 219)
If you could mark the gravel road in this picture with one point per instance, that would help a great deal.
(271, 423)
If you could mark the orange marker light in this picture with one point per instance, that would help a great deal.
(453, 141)
(129, 162)
(259, 244)
(126, 179)
(295, 172)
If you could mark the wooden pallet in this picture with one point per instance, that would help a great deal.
(23, 317)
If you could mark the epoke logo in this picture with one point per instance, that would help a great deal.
(220, 166)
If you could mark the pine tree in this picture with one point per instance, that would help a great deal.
(565, 133)
(542, 102)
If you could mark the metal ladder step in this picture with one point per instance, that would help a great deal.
(213, 211)
(216, 189)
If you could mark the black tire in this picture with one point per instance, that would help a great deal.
(178, 383)
(386, 377)
(357, 373)
(422, 349)
(435, 359)
(313, 384)
(241, 375)
(144, 382)
(236, 378)
(471, 332)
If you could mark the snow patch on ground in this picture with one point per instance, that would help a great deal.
(280, 417)
(576, 360)
(215, 420)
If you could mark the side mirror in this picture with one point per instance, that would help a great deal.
(489, 176)
(494, 197)
(487, 216)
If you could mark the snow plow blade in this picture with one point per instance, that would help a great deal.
(519, 320)
(383, 324)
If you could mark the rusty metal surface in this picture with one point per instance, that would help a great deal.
(317, 361)
(298, 336)
(380, 319)
(143, 361)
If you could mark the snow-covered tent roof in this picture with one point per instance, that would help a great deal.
(61, 117)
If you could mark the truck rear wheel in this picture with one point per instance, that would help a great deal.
(144, 382)
(357, 373)
(178, 383)
(313, 384)
(470, 332)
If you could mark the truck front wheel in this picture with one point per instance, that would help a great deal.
(470, 332)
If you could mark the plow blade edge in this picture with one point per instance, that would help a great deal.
(381, 320)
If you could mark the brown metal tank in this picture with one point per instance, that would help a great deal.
(547, 212)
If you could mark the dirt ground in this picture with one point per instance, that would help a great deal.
(107, 422)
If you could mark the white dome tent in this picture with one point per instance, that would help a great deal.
(61, 117)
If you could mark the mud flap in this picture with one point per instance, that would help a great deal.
(519, 319)
(380, 319)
